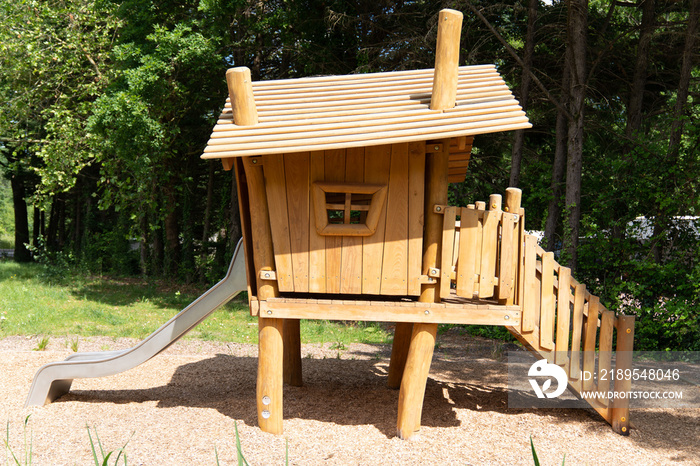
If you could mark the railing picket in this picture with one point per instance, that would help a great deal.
(506, 279)
(547, 302)
(607, 323)
(577, 332)
(489, 251)
(589, 342)
(448, 237)
(563, 315)
(530, 286)
(466, 264)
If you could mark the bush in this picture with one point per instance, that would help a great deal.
(663, 292)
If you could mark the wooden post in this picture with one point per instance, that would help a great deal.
(512, 206)
(269, 382)
(623, 360)
(415, 378)
(422, 344)
(399, 353)
(513, 198)
(240, 90)
(436, 194)
(270, 342)
(263, 255)
(446, 60)
(292, 353)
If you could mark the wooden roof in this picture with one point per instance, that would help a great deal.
(337, 112)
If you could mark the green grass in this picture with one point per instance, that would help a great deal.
(78, 305)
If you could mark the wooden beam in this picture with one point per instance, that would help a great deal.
(446, 60)
(380, 311)
(240, 89)
(623, 360)
(415, 378)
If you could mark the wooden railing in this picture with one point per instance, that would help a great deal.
(480, 253)
(566, 324)
(487, 255)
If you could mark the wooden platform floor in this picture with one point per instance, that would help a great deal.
(455, 309)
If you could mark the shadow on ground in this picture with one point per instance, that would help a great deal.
(341, 391)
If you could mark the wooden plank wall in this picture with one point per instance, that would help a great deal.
(385, 263)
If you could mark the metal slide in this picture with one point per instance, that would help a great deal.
(54, 379)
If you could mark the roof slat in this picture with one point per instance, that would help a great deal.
(384, 123)
(335, 112)
(325, 142)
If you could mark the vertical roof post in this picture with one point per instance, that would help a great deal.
(446, 60)
(240, 90)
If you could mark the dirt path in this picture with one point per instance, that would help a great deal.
(183, 404)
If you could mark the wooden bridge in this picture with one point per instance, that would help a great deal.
(492, 258)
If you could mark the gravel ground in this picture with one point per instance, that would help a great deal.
(182, 406)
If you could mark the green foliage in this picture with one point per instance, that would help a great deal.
(26, 458)
(494, 332)
(84, 305)
(7, 216)
(42, 344)
(108, 105)
(103, 460)
(241, 459)
(239, 451)
(664, 295)
(535, 459)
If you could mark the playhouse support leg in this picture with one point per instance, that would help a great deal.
(415, 378)
(623, 360)
(292, 353)
(269, 386)
(399, 353)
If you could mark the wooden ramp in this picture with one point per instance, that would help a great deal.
(487, 254)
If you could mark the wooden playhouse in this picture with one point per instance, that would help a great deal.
(343, 198)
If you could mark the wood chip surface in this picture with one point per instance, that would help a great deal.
(182, 406)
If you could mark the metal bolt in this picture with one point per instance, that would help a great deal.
(438, 209)
(624, 429)
(437, 147)
(269, 313)
(266, 400)
(427, 312)
(254, 161)
(629, 330)
(266, 414)
(623, 419)
(506, 317)
(267, 275)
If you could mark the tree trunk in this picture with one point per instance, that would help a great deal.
(577, 24)
(519, 138)
(172, 235)
(639, 80)
(661, 220)
(143, 247)
(77, 223)
(558, 172)
(38, 229)
(207, 221)
(22, 254)
(680, 109)
(50, 241)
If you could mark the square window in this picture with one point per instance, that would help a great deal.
(347, 209)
